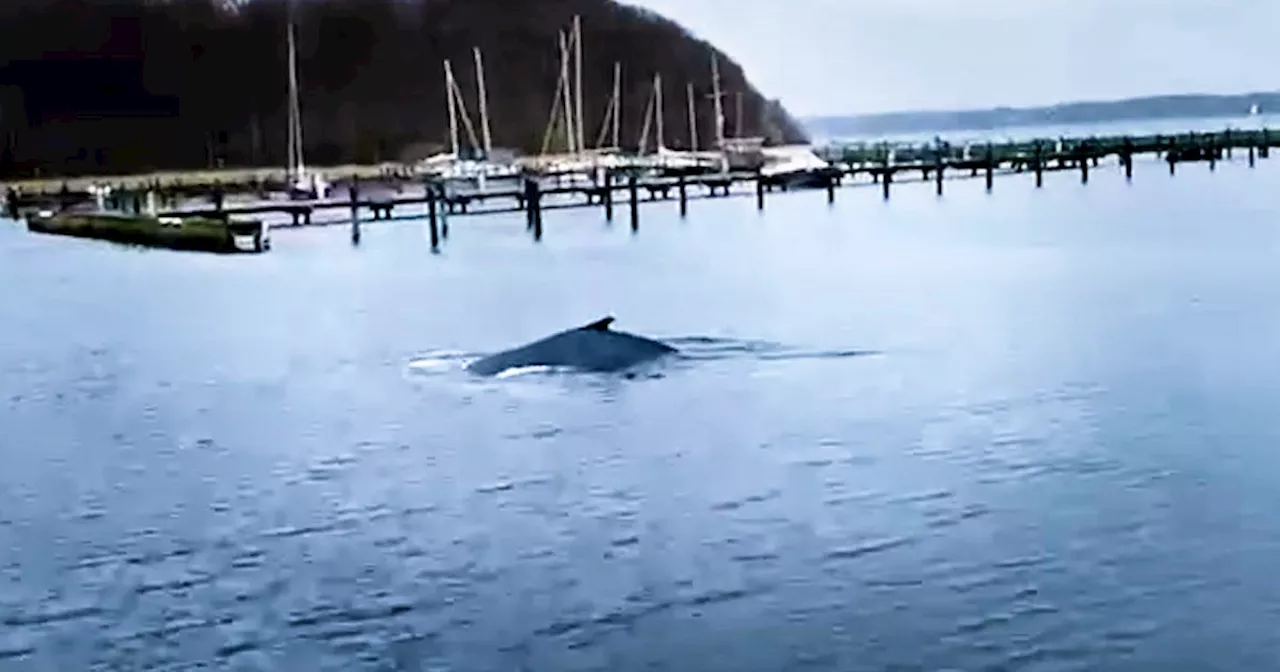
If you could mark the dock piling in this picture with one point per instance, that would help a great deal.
(991, 168)
(635, 206)
(1038, 164)
(938, 168)
(354, 192)
(1126, 158)
(528, 203)
(535, 208)
(432, 215)
(684, 195)
(444, 221)
(607, 196)
(759, 192)
(886, 181)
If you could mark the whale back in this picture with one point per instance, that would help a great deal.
(591, 347)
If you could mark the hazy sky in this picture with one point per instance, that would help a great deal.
(839, 56)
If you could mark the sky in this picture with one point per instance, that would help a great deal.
(857, 56)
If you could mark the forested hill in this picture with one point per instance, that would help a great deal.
(127, 85)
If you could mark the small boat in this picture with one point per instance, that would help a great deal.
(308, 187)
(673, 163)
(795, 168)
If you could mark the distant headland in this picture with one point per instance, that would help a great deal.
(91, 87)
(1149, 107)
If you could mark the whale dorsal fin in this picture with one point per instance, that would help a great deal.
(601, 324)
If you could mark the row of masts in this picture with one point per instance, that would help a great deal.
(456, 103)
(566, 112)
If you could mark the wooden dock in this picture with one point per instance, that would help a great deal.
(882, 164)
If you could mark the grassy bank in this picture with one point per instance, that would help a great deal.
(209, 177)
(195, 233)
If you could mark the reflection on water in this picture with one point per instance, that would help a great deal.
(1032, 430)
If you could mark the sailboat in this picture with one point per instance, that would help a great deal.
(477, 164)
(580, 163)
(577, 163)
(790, 167)
(669, 162)
(301, 184)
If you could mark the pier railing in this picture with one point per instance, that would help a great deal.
(865, 153)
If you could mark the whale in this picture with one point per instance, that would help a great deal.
(592, 347)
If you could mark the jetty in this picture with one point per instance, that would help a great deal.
(536, 187)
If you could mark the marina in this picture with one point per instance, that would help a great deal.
(470, 176)
(607, 180)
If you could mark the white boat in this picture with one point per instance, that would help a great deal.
(795, 167)
(449, 166)
(309, 187)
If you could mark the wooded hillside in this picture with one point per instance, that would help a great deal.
(128, 85)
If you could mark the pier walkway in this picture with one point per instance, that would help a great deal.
(877, 163)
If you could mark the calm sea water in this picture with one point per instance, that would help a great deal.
(1031, 430)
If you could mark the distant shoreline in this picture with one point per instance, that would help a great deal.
(1190, 106)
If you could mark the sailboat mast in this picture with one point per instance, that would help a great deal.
(568, 95)
(693, 119)
(715, 88)
(648, 122)
(737, 119)
(657, 110)
(295, 166)
(484, 103)
(453, 107)
(577, 46)
(617, 104)
(290, 152)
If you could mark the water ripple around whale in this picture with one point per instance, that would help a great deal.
(716, 348)
(691, 348)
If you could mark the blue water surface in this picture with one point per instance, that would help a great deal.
(1055, 448)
